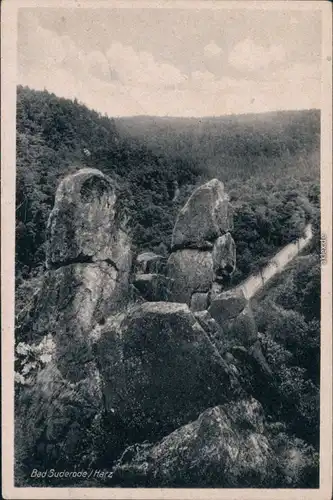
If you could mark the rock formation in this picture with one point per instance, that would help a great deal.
(204, 253)
(89, 262)
(159, 350)
(228, 446)
(168, 369)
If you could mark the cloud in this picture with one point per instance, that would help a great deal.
(124, 81)
(45, 49)
(140, 68)
(202, 79)
(212, 50)
(249, 56)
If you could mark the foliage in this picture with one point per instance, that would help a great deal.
(289, 318)
(31, 358)
(298, 462)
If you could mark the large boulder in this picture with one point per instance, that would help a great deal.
(224, 257)
(83, 223)
(227, 305)
(224, 447)
(191, 272)
(206, 216)
(89, 257)
(228, 446)
(160, 369)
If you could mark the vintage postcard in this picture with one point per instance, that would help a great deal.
(166, 236)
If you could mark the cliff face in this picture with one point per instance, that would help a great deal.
(159, 351)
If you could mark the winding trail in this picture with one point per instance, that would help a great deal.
(254, 283)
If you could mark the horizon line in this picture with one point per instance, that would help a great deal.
(172, 117)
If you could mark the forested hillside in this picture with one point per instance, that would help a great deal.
(269, 163)
(234, 146)
(288, 317)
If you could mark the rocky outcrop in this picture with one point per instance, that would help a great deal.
(89, 263)
(228, 446)
(88, 254)
(55, 414)
(162, 351)
(160, 368)
(203, 249)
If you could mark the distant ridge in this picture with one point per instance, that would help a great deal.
(219, 117)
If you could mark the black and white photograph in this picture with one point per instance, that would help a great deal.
(168, 300)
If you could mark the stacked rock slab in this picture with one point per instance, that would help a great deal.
(203, 251)
(89, 261)
(88, 256)
(201, 264)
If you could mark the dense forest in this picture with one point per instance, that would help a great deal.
(270, 166)
(288, 319)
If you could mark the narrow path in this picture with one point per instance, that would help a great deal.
(254, 283)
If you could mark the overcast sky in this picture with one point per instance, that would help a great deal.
(173, 62)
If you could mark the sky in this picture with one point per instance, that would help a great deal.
(173, 62)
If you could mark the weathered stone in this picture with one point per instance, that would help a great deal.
(227, 305)
(89, 255)
(75, 297)
(224, 447)
(89, 260)
(224, 257)
(160, 369)
(228, 446)
(191, 272)
(150, 263)
(206, 216)
(199, 301)
(84, 221)
(152, 287)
